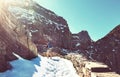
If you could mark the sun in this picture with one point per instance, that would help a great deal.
(7, 3)
(4, 3)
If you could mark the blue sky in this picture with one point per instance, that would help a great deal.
(98, 17)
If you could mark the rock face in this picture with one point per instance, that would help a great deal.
(107, 49)
(81, 41)
(13, 39)
(25, 25)
(42, 24)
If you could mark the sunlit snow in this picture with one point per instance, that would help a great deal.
(40, 67)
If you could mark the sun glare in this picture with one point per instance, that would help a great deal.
(4, 3)
(7, 3)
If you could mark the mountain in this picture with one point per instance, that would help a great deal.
(43, 25)
(26, 27)
(104, 50)
(81, 41)
(107, 49)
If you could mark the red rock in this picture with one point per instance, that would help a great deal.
(12, 40)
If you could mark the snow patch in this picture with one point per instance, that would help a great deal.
(75, 37)
(78, 44)
(17, 56)
(65, 51)
(33, 31)
(113, 50)
(63, 31)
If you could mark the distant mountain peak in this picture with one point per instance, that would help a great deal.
(83, 35)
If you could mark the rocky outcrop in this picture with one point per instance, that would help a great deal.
(81, 41)
(13, 38)
(88, 68)
(25, 25)
(43, 25)
(107, 49)
(51, 52)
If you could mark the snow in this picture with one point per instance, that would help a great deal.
(63, 31)
(40, 67)
(113, 50)
(91, 46)
(65, 51)
(62, 27)
(77, 37)
(78, 44)
(33, 31)
(30, 34)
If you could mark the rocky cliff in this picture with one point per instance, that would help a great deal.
(43, 25)
(25, 25)
(13, 38)
(104, 50)
(107, 49)
(81, 41)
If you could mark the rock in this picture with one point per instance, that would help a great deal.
(25, 25)
(44, 25)
(4, 65)
(104, 50)
(13, 39)
(108, 49)
(81, 40)
(54, 51)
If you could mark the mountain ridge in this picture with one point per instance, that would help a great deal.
(30, 27)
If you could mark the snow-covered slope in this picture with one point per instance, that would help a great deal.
(41, 67)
